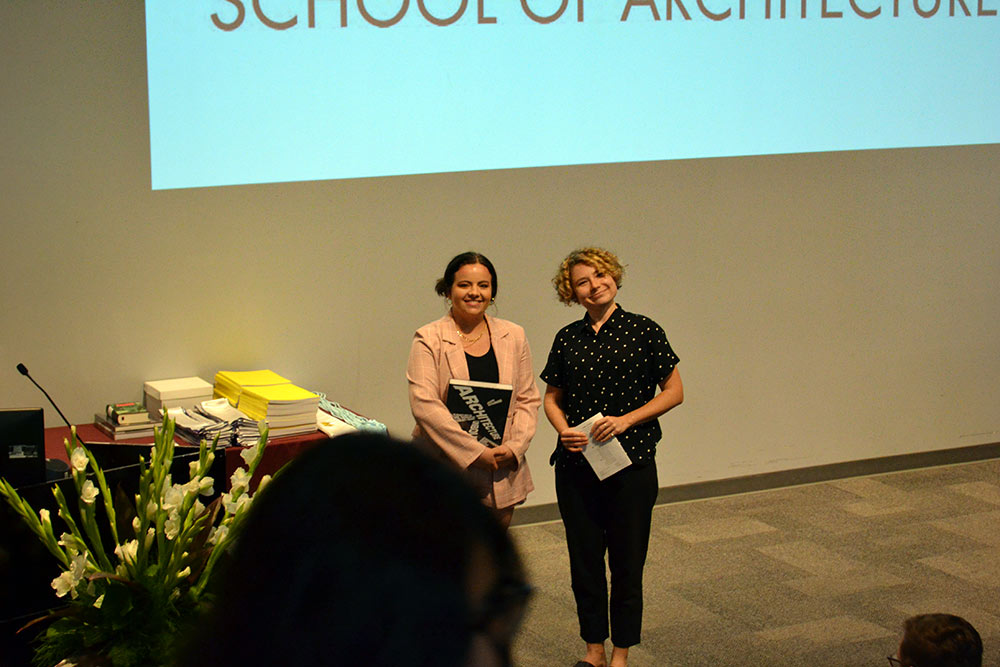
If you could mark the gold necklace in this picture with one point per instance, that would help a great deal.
(470, 341)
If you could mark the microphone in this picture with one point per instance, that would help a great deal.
(23, 370)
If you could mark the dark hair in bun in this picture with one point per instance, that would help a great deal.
(443, 285)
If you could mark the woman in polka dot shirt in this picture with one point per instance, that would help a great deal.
(610, 361)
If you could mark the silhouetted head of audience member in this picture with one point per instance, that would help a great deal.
(939, 640)
(365, 551)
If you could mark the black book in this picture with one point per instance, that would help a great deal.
(480, 408)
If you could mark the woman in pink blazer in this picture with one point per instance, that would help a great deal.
(468, 344)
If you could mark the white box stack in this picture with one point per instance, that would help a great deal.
(175, 393)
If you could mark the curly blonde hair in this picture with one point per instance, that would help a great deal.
(599, 258)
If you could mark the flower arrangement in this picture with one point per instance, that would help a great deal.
(135, 572)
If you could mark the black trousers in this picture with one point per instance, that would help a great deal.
(611, 516)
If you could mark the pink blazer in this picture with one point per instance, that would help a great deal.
(436, 357)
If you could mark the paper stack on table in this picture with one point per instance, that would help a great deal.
(265, 395)
(287, 408)
(193, 427)
(230, 384)
(245, 431)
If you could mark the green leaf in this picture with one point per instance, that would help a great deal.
(117, 600)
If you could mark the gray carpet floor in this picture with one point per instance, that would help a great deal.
(821, 574)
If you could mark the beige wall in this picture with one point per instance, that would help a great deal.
(826, 307)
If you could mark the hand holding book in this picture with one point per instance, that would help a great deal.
(480, 408)
(504, 456)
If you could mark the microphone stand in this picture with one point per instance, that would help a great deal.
(23, 370)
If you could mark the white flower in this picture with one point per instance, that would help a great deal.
(173, 497)
(44, 517)
(240, 479)
(68, 580)
(193, 468)
(78, 459)
(206, 486)
(127, 552)
(63, 584)
(218, 535)
(263, 482)
(136, 524)
(68, 542)
(172, 525)
(250, 453)
(151, 510)
(150, 536)
(197, 508)
(233, 507)
(89, 492)
(192, 487)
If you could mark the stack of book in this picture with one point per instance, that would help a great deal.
(230, 384)
(244, 431)
(215, 418)
(288, 409)
(265, 395)
(124, 421)
(192, 426)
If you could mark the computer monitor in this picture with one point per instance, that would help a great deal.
(22, 446)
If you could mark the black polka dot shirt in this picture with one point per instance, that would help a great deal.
(613, 371)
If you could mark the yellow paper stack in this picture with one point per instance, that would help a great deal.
(287, 408)
(230, 384)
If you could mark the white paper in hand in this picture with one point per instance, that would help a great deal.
(606, 458)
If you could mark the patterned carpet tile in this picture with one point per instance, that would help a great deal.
(817, 575)
(983, 527)
(981, 567)
(833, 630)
(812, 558)
(718, 529)
(846, 584)
(984, 491)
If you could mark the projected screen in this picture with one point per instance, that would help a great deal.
(258, 91)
